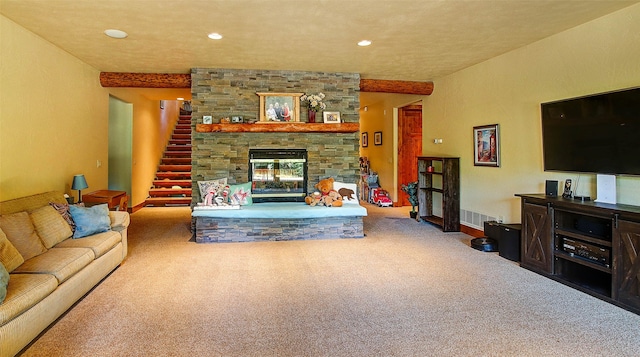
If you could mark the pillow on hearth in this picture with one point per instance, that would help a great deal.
(22, 234)
(90, 220)
(240, 194)
(348, 191)
(211, 185)
(10, 258)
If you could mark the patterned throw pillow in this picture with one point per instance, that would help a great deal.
(211, 186)
(63, 209)
(240, 194)
(348, 191)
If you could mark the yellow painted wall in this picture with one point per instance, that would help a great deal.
(152, 127)
(380, 117)
(53, 117)
(596, 57)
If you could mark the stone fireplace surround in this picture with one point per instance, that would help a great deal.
(227, 92)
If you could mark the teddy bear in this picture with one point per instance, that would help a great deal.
(325, 195)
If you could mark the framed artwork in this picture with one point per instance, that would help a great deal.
(331, 117)
(365, 139)
(279, 107)
(486, 148)
(377, 138)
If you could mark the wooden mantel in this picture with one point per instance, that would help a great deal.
(178, 80)
(278, 128)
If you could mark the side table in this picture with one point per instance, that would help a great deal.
(117, 200)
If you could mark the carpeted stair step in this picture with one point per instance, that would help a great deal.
(176, 160)
(161, 175)
(168, 201)
(174, 167)
(182, 131)
(181, 136)
(177, 153)
(168, 192)
(178, 147)
(171, 183)
(180, 142)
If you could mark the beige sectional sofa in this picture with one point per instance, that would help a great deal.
(53, 270)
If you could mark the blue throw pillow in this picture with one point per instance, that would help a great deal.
(90, 220)
(4, 281)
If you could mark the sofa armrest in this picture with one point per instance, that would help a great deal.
(119, 220)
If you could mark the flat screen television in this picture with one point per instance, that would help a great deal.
(594, 134)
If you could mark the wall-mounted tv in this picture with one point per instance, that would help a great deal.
(593, 134)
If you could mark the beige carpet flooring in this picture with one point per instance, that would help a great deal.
(406, 289)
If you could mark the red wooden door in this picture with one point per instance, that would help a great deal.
(409, 147)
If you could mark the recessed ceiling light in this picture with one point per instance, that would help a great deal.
(179, 98)
(214, 36)
(115, 33)
(364, 43)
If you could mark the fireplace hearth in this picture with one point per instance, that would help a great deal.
(278, 175)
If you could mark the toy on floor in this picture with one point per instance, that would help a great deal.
(381, 198)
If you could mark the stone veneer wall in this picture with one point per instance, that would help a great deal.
(232, 92)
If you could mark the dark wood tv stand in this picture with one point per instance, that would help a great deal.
(590, 246)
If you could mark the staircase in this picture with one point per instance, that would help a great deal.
(172, 185)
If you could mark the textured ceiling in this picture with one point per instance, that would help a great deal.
(417, 40)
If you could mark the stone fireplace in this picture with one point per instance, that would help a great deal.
(227, 92)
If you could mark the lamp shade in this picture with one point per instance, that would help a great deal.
(79, 183)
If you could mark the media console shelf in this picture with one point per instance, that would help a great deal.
(593, 247)
(439, 183)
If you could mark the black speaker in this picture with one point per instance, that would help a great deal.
(551, 188)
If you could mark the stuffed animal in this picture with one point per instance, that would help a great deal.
(326, 195)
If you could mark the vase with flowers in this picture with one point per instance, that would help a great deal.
(314, 104)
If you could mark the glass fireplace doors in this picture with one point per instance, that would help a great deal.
(278, 175)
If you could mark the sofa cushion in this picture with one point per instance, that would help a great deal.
(59, 262)
(90, 220)
(100, 243)
(22, 234)
(23, 292)
(9, 255)
(4, 281)
(50, 226)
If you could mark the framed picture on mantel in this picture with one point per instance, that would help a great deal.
(486, 146)
(279, 107)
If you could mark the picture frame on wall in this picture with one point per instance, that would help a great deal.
(279, 107)
(486, 148)
(377, 138)
(365, 139)
(331, 117)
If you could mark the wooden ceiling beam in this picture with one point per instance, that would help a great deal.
(177, 80)
(400, 87)
(145, 80)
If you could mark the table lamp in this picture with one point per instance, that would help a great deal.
(79, 183)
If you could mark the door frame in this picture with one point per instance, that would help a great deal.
(396, 147)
